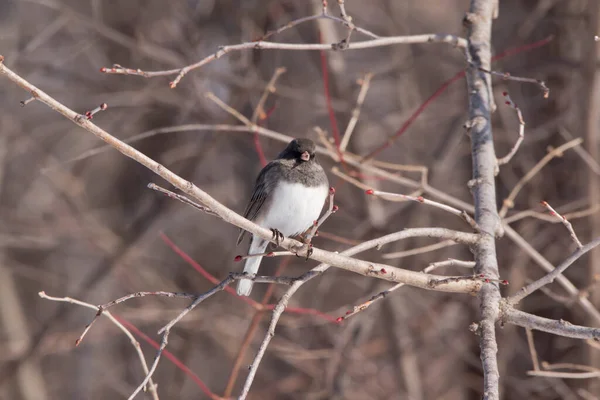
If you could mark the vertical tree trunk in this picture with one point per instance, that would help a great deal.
(479, 23)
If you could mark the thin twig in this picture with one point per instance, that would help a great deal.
(277, 311)
(509, 202)
(565, 222)
(532, 350)
(330, 210)
(515, 148)
(420, 199)
(364, 83)
(166, 330)
(136, 345)
(508, 77)
(551, 276)
(363, 306)
(259, 110)
(541, 261)
(544, 217)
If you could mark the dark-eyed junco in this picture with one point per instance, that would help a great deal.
(288, 196)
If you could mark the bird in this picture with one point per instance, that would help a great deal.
(288, 197)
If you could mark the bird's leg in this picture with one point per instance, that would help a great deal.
(278, 237)
(306, 239)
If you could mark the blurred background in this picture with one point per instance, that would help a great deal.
(91, 230)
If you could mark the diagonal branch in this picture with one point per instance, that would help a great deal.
(551, 276)
(365, 268)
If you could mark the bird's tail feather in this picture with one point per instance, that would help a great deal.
(257, 246)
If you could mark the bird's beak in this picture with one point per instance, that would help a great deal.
(305, 156)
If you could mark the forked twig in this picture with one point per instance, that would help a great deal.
(151, 385)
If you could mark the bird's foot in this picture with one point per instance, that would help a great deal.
(278, 237)
(304, 250)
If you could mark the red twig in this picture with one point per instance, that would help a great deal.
(332, 120)
(442, 89)
(170, 356)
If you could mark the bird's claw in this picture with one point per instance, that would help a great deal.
(277, 236)
(298, 251)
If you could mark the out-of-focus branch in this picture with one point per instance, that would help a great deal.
(364, 83)
(479, 23)
(509, 202)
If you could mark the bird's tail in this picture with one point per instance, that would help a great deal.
(257, 246)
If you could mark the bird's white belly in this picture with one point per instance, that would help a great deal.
(294, 208)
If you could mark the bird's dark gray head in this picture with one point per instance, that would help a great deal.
(301, 150)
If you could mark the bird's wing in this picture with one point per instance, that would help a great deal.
(263, 189)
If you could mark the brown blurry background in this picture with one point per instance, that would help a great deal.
(91, 229)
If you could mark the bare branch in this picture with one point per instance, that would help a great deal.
(532, 351)
(508, 77)
(364, 83)
(277, 311)
(515, 148)
(540, 260)
(551, 276)
(558, 327)
(420, 199)
(136, 345)
(380, 271)
(509, 202)
(363, 306)
(259, 110)
(263, 45)
(479, 23)
(565, 222)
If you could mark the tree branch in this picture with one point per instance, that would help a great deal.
(551, 276)
(479, 22)
(558, 327)
(365, 268)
